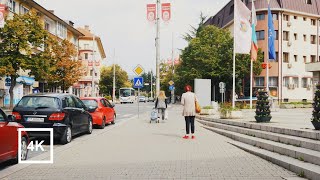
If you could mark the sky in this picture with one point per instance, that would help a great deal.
(128, 38)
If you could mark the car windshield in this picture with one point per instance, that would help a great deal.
(39, 102)
(90, 102)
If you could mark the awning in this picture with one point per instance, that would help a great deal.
(25, 80)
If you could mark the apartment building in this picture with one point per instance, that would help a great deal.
(296, 24)
(55, 26)
(92, 53)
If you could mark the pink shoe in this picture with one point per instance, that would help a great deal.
(185, 137)
(193, 137)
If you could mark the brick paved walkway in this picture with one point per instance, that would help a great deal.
(140, 150)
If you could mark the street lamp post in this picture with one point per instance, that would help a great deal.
(158, 49)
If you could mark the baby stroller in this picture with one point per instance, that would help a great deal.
(154, 115)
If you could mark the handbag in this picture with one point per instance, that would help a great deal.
(198, 108)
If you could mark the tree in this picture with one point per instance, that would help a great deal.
(209, 56)
(106, 79)
(147, 79)
(20, 38)
(195, 31)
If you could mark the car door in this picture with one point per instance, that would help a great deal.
(70, 107)
(7, 138)
(109, 110)
(81, 114)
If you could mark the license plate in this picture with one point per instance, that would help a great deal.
(35, 119)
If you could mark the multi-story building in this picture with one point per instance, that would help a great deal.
(55, 26)
(92, 53)
(296, 26)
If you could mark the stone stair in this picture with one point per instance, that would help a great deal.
(294, 149)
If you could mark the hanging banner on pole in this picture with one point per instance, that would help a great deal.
(151, 12)
(2, 13)
(166, 11)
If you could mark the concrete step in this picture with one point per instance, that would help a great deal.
(269, 127)
(299, 153)
(301, 168)
(285, 139)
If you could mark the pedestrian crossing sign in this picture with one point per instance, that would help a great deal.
(138, 82)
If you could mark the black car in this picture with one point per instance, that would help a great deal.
(65, 113)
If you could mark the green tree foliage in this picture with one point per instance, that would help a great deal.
(106, 79)
(147, 79)
(21, 38)
(209, 56)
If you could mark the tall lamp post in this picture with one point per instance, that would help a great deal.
(158, 49)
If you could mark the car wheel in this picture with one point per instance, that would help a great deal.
(114, 118)
(103, 124)
(89, 131)
(67, 136)
(24, 151)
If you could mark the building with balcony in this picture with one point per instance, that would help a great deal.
(92, 53)
(296, 26)
(57, 27)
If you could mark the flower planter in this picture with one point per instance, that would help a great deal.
(208, 112)
(232, 115)
(299, 106)
(316, 125)
(263, 118)
(308, 106)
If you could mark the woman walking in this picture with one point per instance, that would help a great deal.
(161, 104)
(188, 100)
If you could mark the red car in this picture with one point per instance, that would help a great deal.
(9, 139)
(104, 110)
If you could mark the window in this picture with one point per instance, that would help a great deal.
(285, 35)
(86, 56)
(313, 22)
(308, 1)
(304, 18)
(231, 9)
(91, 72)
(305, 59)
(286, 17)
(295, 81)
(313, 58)
(295, 17)
(275, 16)
(103, 102)
(260, 17)
(24, 10)
(313, 39)
(304, 82)
(11, 5)
(218, 20)
(276, 34)
(259, 81)
(47, 26)
(305, 37)
(86, 46)
(78, 102)
(61, 30)
(285, 81)
(295, 36)
(285, 57)
(277, 57)
(260, 35)
(295, 58)
(273, 81)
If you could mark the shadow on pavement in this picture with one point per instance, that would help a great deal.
(167, 135)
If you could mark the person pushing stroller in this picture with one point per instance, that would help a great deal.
(161, 104)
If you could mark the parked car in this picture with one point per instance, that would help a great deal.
(142, 99)
(150, 99)
(9, 139)
(104, 111)
(65, 113)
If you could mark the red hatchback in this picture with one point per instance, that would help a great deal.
(9, 139)
(104, 110)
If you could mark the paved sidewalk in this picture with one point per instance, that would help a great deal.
(140, 150)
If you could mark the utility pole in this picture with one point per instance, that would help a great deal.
(172, 59)
(151, 84)
(93, 66)
(158, 49)
(114, 77)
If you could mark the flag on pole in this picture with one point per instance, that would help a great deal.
(271, 36)
(151, 12)
(254, 43)
(242, 33)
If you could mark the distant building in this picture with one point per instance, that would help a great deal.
(55, 26)
(92, 53)
(297, 45)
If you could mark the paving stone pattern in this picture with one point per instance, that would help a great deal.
(140, 150)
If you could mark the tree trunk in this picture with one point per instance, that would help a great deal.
(13, 84)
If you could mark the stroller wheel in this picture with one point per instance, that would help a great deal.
(150, 121)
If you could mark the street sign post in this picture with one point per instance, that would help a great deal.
(171, 88)
(138, 70)
(138, 83)
(222, 86)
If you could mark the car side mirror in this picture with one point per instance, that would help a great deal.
(113, 105)
(92, 109)
(11, 118)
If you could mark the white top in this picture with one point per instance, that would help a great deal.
(188, 101)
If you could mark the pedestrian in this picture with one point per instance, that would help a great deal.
(161, 104)
(188, 100)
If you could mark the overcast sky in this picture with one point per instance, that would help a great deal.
(123, 27)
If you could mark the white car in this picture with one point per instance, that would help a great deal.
(142, 99)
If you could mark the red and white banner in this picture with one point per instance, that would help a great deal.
(151, 12)
(2, 13)
(177, 61)
(169, 62)
(166, 11)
